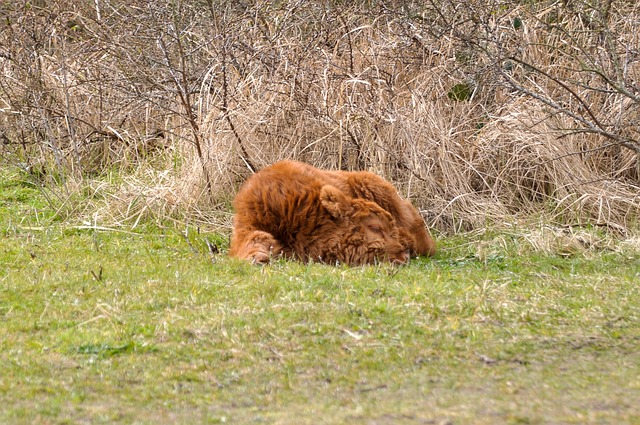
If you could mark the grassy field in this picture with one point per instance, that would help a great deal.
(145, 325)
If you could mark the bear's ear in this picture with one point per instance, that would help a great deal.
(336, 202)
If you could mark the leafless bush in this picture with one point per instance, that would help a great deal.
(478, 111)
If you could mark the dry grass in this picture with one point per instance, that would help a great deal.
(219, 92)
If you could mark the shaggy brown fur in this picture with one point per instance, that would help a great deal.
(287, 209)
(369, 186)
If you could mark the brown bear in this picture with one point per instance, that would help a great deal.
(288, 209)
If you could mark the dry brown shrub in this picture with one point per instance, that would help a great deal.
(530, 166)
(379, 101)
(480, 112)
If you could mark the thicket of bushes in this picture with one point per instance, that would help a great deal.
(478, 111)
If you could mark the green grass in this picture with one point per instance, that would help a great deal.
(145, 327)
